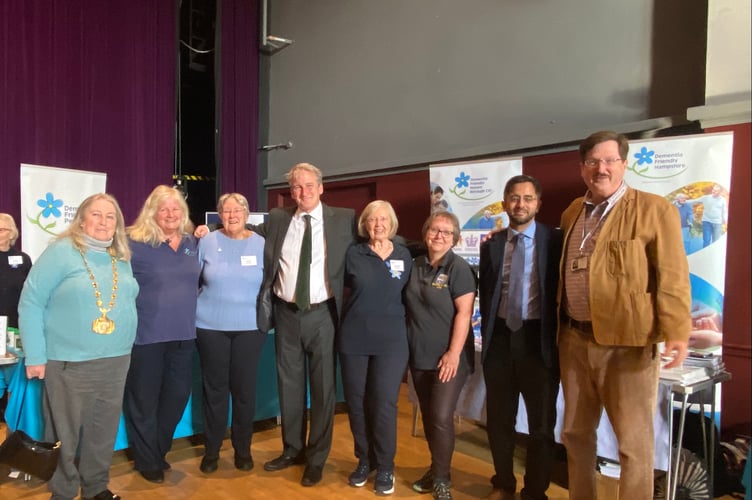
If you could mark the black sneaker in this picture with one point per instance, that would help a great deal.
(424, 484)
(104, 495)
(360, 475)
(441, 491)
(384, 484)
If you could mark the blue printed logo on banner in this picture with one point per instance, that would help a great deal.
(50, 209)
(652, 165)
(469, 188)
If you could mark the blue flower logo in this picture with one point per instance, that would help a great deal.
(644, 156)
(460, 189)
(50, 208)
(462, 180)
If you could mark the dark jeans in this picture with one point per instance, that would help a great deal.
(438, 402)
(156, 392)
(229, 363)
(711, 232)
(372, 385)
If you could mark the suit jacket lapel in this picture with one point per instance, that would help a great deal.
(498, 245)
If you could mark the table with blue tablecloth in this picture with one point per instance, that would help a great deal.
(24, 409)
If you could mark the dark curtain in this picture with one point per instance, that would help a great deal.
(239, 98)
(88, 85)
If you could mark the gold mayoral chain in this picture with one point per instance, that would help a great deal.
(103, 325)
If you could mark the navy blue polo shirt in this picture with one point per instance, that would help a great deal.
(373, 320)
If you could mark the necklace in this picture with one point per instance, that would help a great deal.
(103, 325)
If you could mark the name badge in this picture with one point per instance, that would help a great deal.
(396, 264)
(248, 260)
(580, 263)
(15, 260)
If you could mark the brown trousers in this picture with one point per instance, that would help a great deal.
(624, 381)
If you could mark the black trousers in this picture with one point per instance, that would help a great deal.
(304, 341)
(372, 385)
(513, 366)
(229, 365)
(438, 402)
(156, 391)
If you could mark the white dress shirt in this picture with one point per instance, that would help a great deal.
(284, 286)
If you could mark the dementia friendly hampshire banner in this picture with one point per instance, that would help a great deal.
(49, 200)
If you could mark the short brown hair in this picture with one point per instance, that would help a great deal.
(604, 135)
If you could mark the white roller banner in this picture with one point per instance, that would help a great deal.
(50, 197)
(473, 191)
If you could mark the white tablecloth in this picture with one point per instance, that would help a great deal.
(472, 405)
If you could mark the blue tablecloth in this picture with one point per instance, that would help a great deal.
(24, 409)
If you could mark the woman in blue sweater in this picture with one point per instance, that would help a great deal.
(77, 317)
(229, 343)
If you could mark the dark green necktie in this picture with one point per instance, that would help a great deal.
(303, 285)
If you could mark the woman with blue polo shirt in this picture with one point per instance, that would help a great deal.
(165, 264)
(372, 343)
(229, 342)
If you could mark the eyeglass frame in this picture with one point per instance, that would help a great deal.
(596, 162)
(439, 232)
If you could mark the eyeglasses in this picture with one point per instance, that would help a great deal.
(516, 199)
(433, 231)
(594, 162)
(234, 211)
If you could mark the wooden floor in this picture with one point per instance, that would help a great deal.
(471, 469)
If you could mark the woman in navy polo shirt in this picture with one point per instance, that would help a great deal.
(165, 264)
(439, 299)
(372, 343)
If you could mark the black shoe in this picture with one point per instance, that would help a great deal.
(359, 476)
(283, 462)
(104, 495)
(153, 476)
(208, 464)
(243, 463)
(311, 475)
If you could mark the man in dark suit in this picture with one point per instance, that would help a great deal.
(518, 280)
(305, 326)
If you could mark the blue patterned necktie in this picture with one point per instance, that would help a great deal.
(516, 275)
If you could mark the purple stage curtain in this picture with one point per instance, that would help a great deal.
(88, 85)
(239, 98)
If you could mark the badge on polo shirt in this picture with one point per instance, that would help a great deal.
(15, 260)
(396, 267)
(441, 281)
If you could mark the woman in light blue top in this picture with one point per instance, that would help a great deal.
(229, 342)
(77, 317)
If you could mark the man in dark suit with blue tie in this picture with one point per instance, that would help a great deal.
(305, 318)
(518, 281)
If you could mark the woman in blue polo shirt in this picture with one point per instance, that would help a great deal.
(439, 299)
(165, 264)
(372, 343)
